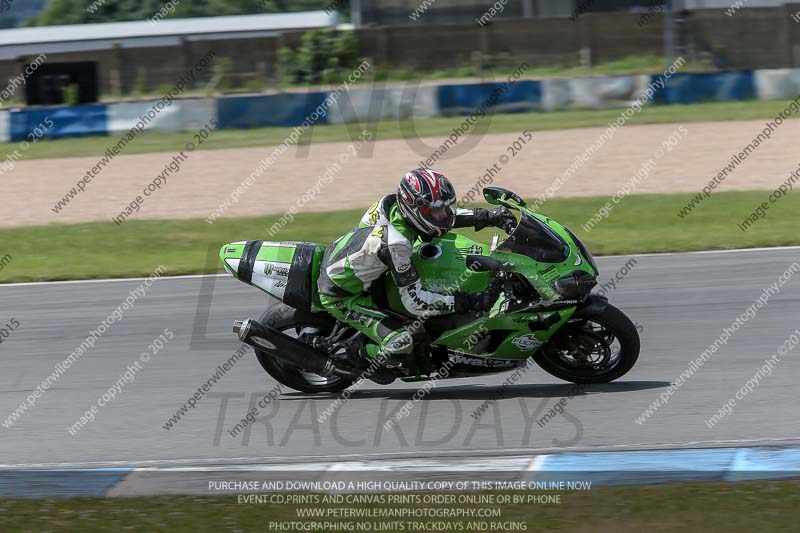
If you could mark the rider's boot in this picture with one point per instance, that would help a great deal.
(376, 371)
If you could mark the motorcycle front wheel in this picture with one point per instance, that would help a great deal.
(598, 346)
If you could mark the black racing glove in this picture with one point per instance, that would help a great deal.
(498, 217)
(477, 301)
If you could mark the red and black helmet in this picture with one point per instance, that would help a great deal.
(426, 201)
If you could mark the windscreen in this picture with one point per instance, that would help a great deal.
(536, 240)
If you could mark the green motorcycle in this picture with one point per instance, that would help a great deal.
(546, 311)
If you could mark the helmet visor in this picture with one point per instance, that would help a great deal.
(441, 216)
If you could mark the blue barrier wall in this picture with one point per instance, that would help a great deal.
(705, 87)
(78, 121)
(289, 109)
(464, 99)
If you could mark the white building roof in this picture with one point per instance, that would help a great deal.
(79, 37)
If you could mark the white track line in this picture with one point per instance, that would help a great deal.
(537, 463)
(196, 276)
(110, 280)
(702, 252)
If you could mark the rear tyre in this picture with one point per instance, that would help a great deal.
(305, 326)
(598, 346)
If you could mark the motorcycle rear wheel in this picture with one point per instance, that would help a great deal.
(298, 324)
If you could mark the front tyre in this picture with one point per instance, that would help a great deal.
(598, 346)
(304, 326)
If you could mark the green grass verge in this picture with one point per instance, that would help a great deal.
(420, 127)
(644, 223)
(708, 507)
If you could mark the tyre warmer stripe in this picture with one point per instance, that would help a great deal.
(298, 285)
(248, 261)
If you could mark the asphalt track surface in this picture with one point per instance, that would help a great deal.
(682, 302)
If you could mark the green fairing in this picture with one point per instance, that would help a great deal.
(448, 272)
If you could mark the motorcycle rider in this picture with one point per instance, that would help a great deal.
(423, 207)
